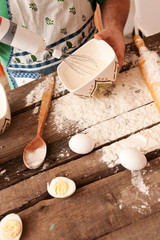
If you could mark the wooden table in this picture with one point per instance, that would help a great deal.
(110, 202)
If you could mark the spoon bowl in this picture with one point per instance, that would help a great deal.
(35, 152)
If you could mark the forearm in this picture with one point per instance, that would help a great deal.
(114, 13)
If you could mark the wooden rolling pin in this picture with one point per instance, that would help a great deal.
(149, 64)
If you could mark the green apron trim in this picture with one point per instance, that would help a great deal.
(4, 9)
(94, 3)
(100, 1)
(5, 50)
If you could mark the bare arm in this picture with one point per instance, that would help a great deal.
(114, 15)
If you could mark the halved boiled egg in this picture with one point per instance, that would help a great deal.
(11, 227)
(61, 187)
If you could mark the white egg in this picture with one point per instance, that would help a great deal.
(11, 227)
(61, 187)
(132, 159)
(81, 143)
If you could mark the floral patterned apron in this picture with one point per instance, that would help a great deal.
(63, 24)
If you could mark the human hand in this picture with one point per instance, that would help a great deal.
(114, 37)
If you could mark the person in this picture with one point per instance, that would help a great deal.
(64, 25)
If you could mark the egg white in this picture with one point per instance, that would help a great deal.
(71, 187)
(132, 159)
(11, 216)
(81, 143)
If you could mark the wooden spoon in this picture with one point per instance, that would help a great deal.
(35, 152)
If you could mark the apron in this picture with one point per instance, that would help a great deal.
(63, 24)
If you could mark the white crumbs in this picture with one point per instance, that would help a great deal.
(45, 166)
(2, 172)
(63, 152)
(142, 209)
(35, 110)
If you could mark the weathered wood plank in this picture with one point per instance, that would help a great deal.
(147, 228)
(131, 52)
(99, 164)
(31, 94)
(109, 200)
(59, 152)
(77, 114)
(97, 209)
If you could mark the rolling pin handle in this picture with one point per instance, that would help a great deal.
(138, 41)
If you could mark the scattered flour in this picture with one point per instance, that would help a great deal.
(106, 118)
(142, 206)
(135, 141)
(2, 172)
(45, 166)
(59, 87)
(101, 117)
(110, 155)
(7, 178)
(35, 110)
(127, 59)
(143, 209)
(63, 153)
(137, 181)
(86, 112)
(36, 94)
(120, 206)
(152, 64)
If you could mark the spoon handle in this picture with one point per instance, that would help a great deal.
(46, 99)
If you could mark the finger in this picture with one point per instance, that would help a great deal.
(98, 36)
(120, 57)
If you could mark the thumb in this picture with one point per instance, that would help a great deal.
(98, 36)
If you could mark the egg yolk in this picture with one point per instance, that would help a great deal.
(12, 228)
(61, 187)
